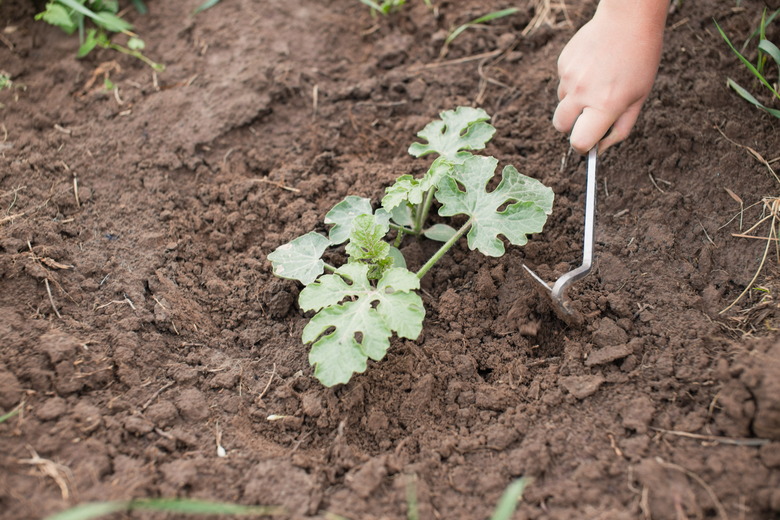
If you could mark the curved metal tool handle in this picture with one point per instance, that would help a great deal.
(559, 289)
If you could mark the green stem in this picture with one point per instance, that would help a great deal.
(422, 215)
(137, 54)
(329, 267)
(403, 229)
(444, 248)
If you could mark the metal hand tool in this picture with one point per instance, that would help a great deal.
(557, 291)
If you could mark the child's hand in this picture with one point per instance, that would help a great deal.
(607, 70)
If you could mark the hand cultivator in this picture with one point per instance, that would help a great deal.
(557, 291)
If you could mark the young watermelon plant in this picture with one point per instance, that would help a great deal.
(72, 16)
(360, 304)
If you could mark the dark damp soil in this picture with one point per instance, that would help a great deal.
(166, 333)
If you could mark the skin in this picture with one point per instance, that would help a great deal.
(607, 71)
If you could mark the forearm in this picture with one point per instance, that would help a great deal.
(647, 17)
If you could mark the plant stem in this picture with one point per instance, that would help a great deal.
(329, 267)
(403, 229)
(422, 213)
(136, 54)
(444, 248)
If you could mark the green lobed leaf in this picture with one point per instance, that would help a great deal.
(461, 129)
(411, 190)
(346, 334)
(300, 259)
(529, 204)
(344, 213)
(366, 244)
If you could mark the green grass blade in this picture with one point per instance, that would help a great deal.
(18, 409)
(412, 506)
(89, 511)
(747, 63)
(508, 502)
(373, 5)
(759, 29)
(772, 50)
(747, 96)
(140, 6)
(495, 15)
(175, 505)
(206, 5)
(454, 34)
(476, 21)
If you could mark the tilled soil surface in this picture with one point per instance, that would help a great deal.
(140, 324)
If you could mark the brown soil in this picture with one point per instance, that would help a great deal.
(165, 328)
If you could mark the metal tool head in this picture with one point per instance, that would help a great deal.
(557, 292)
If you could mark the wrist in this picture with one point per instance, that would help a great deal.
(648, 17)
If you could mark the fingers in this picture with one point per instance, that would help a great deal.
(589, 128)
(566, 114)
(622, 127)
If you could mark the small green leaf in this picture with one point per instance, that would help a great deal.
(366, 244)
(106, 5)
(398, 257)
(140, 6)
(529, 204)
(300, 259)
(136, 44)
(509, 499)
(346, 334)
(402, 215)
(411, 190)
(440, 232)
(89, 43)
(344, 213)
(461, 129)
(57, 15)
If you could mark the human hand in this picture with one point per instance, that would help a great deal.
(607, 71)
